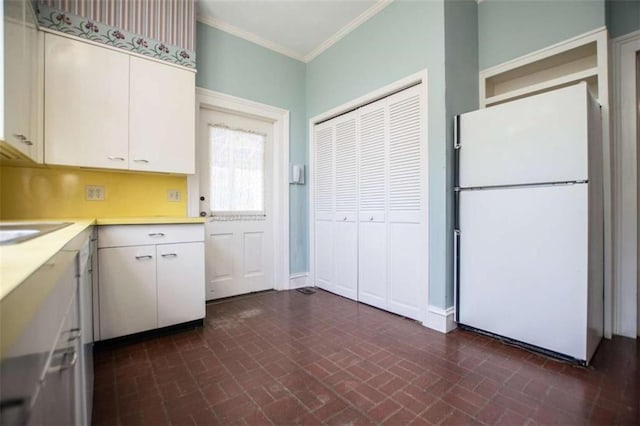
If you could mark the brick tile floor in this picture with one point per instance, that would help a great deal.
(286, 358)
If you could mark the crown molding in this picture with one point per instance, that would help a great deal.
(254, 38)
(359, 20)
(249, 36)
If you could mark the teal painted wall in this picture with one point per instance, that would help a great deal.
(509, 29)
(461, 76)
(623, 17)
(237, 67)
(404, 38)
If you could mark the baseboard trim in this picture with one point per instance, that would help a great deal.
(441, 320)
(298, 280)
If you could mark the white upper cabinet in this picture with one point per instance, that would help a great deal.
(161, 118)
(21, 120)
(109, 109)
(86, 104)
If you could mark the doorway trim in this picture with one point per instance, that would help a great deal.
(625, 310)
(211, 99)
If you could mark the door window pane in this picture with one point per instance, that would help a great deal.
(237, 171)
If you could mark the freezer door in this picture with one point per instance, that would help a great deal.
(538, 139)
(524, 265)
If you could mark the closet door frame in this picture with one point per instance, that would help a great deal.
(411, 80)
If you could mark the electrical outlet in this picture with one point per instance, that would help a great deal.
(94, 193)
(173, 195)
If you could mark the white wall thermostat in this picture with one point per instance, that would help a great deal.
(297, 174)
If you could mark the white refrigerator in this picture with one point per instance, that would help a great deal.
(529, 222)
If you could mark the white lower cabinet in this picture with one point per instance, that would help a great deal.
(127, 279)
(146, 286)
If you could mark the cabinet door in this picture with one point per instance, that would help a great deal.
(35, 67)
(161, 118)
(127, 290)
(16, 79)
(180, 283)
(86, 104)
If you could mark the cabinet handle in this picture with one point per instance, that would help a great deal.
(147, 256)
(156, 234)
(345, 219)
(169, 255)
(141, 160)
(63, 363)
(370, 218)
(74, 334)
(20, 136)
(26, 142)
(115, 158)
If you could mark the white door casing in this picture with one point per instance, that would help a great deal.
(280, 131)
(626, 320)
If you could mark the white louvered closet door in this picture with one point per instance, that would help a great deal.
(406, 217)
(372, 193)
(323, 201)
(345, 225)
(371, 204)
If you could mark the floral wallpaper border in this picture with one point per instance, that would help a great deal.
(78, 26)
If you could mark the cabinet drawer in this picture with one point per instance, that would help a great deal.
(135, 235)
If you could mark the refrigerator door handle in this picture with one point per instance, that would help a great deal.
(456, 132)
(456, 273)
(456, 152)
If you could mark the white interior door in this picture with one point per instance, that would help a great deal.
(237, 185)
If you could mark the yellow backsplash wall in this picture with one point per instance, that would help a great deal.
(51, 192)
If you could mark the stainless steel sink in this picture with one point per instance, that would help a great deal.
(17, 232)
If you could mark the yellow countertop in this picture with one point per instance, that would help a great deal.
(147, 220)
(18, 261)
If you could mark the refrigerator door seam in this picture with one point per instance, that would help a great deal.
(523, 185)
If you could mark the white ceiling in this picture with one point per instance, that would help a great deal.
(301, 29)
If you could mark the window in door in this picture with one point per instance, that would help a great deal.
(236, 171)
